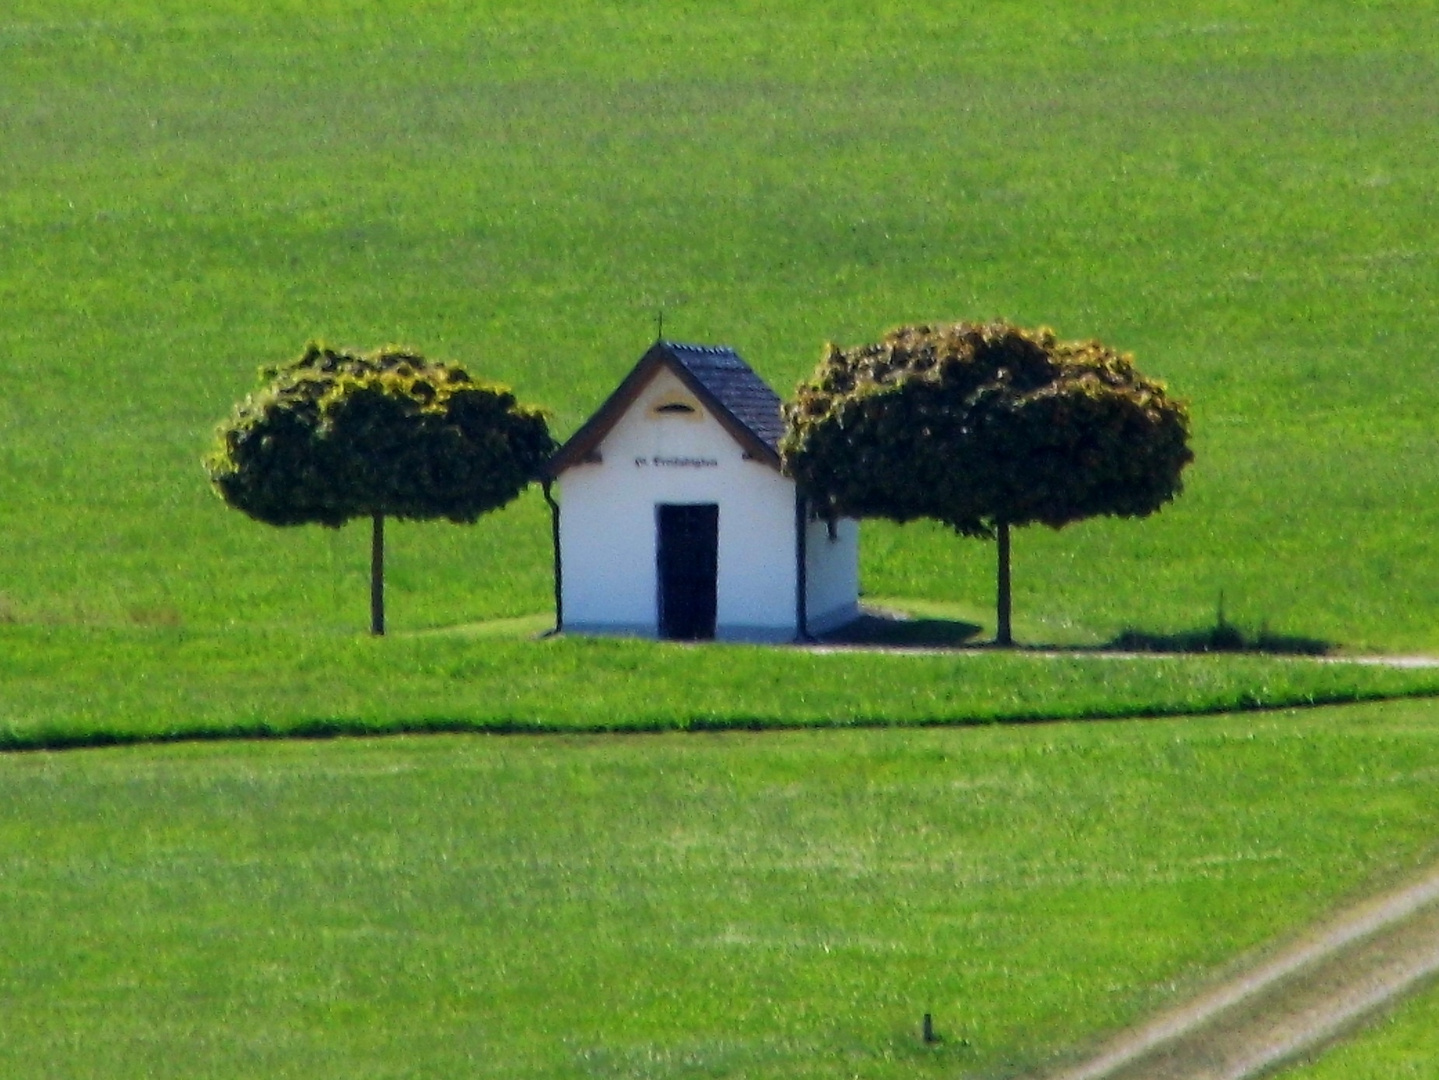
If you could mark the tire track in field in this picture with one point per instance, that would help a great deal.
(1307, 995)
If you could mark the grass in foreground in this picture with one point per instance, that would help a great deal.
(69, 687)
(722, 905)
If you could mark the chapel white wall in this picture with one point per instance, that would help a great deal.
(608, 532)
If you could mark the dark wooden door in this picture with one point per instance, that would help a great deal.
(687, 552)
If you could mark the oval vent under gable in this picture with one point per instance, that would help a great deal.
(676, 405)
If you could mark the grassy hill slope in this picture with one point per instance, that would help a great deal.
(1239, 193)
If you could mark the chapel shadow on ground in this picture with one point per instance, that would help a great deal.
(879, 628)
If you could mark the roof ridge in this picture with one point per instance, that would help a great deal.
(696, 347)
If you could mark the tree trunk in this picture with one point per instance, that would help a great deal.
(545, 486)
(1002, 635)
(377, 575)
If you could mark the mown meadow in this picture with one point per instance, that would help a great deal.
(1241, 194)
(782, 904)
(165, 685)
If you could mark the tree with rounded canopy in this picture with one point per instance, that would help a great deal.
(335, 436)
(984, 427)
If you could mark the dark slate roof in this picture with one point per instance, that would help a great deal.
(733, 384)
(739, 399)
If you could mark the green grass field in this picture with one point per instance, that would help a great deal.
(1242, 194)
(162, 685)
(785, 904)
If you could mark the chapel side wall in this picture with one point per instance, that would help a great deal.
(608, 530)
(831, 574)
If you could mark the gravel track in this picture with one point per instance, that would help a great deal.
(1307, 995)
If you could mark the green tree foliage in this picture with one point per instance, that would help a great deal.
(984, 427)
(334, 436)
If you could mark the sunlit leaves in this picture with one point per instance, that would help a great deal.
(335, 436)
(978, 425)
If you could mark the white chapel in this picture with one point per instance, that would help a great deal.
(674, 520)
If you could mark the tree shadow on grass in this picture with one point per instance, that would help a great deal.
(888, 629)
(1222, 637)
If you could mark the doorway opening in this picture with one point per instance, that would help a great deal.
(687, 554)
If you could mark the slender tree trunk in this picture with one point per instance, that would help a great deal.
(545, 486)
(1002, 635)
(377, 575)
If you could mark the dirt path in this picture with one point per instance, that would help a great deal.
(1307, 995)
(1410, 662)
